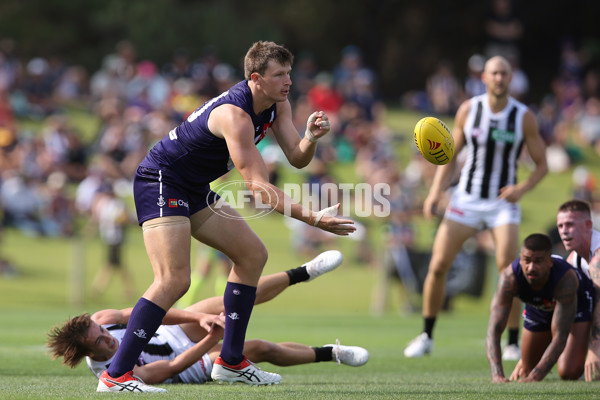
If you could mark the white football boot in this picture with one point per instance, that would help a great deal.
(246, 372)
(349, 355)
(512, 352)
(125, 383)
(323, 263)
(419, 346)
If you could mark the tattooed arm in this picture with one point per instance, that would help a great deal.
(592, 361)
(499, 311)
(565, 295)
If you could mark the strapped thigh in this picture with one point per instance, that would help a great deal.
(165, 221)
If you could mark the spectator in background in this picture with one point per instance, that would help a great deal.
(323, 96)
(519, 85)
(443, 90)
(180, 66)
(504, 29)
(147, 89)
(588, 125)
(37, 88)
(551, 132)
(7, 269)
(399, 240)
(110, 215)
(72, 86)
(304, 75)
(22, 203)
(11, 68)
(473, 84)
(57, 209)
(356, 83)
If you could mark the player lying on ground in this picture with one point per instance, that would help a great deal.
(557, 316)
(186, 345)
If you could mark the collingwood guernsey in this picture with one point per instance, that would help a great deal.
(493, 142)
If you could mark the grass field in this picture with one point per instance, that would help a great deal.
(333, 306)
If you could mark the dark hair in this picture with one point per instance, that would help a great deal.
(538, 242)
(258, 57)
(68, 340)
(576, 206)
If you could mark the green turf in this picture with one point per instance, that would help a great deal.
(456, 370)
(334, 306)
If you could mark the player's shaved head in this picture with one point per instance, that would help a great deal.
(497, 62)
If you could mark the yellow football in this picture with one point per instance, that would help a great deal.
(434, 140)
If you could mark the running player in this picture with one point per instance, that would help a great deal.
(493, 128)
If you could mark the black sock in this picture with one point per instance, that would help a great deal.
(429, 323)
(323, 353)
(297, 275)
(513, 336)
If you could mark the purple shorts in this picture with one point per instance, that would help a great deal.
(160, 193)
(541, 321)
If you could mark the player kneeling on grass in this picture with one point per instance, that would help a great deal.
(185, 347)
(558, 311)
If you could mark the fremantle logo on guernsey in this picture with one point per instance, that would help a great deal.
(361, 200)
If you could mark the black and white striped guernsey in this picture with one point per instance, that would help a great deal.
(167, 343)
(493, 142)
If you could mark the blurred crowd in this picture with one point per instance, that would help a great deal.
(51, 173)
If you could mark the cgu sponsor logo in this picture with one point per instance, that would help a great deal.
(174, 203)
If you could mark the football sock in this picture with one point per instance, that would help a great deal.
(238, 301)
(428, 329)
(297, 275)
(513, 336)
(323, 353)
(144, 321)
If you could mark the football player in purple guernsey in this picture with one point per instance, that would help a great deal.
(174, 202)
(558, 313)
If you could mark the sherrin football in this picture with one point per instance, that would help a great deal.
(434, 140)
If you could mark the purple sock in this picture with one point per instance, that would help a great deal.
(143, 323)
(239, 301)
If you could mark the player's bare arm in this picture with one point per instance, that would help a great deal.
(537, 151)
(499, 312)
(443, 173)
(565, 295)
(592, 361)
(173, 317)
(236, 128)
(159, 371)
(299, 152)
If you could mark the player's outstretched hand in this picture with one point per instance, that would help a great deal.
(327, 220)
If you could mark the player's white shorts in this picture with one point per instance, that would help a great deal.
(482, 214)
